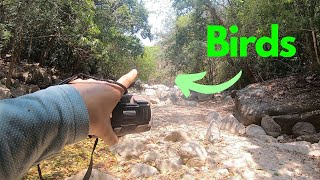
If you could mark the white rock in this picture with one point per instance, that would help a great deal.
(143, 170)
(129, 149)
(145, 86)
(213, 132)
(280, 138)
(315, 153)
(213, 116)
(163, 95)
(231, 124)
(223, 172)
(169, 165)
(191, 150)
(150, 92)
(254, 130)
(151, 156)
(172, 152)
(177, 136)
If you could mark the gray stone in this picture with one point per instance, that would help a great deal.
(143, 170)
(232, 125)
(192, 103)
(175, 136)
(303, 128)
(213, 116)
(204, 97)
(151, 156)
(254, 130)
(270, 126)
(213, 131)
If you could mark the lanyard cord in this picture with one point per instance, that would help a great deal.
(81, 75)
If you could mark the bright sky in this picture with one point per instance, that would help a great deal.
(158, 11)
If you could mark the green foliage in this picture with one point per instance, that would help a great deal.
(185, 45)
(75, 36)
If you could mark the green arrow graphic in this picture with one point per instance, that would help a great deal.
(186, 83)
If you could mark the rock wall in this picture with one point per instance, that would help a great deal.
(287, 101)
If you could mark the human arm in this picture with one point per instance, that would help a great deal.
(36, 126)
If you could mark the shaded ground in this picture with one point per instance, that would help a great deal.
(234, 157)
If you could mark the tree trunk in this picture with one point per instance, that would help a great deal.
(16, 49)
(46, 50)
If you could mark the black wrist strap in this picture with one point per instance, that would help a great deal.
(89, 171)
(85, 76)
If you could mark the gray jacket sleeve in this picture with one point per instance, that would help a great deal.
(36, 126)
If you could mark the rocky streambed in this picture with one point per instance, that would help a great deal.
(206, 142)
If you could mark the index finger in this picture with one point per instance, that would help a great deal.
(128, 78)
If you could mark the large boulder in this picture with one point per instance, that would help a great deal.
(287, 100)
(303, 128)
(255, 130)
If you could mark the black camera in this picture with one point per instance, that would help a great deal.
(131, 115)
